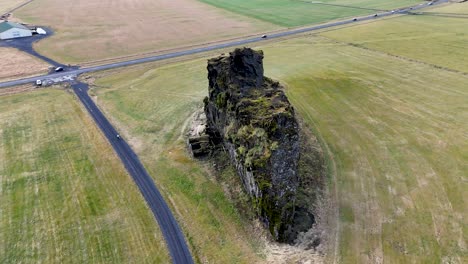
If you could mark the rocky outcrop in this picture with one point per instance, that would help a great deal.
(252, 117)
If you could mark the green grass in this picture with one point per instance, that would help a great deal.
(434, 39)
(151, 107)
(64, 195)
(396, 131)
(292, 13)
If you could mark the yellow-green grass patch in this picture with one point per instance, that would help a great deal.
(438, 36)
(397, 133)
(64, 195)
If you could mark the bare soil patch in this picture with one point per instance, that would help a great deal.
(15, 64)
(93, 30)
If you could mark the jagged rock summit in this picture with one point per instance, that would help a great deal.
(252, 117)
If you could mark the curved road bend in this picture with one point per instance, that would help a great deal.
(171, 231)
(217, 46)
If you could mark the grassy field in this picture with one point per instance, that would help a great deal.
(151, 107)
(7, 5)
(395, 129)
(15, 64)
(64, 196)
(433, 38)
(397, 133)
(302, 12)
(94, 30)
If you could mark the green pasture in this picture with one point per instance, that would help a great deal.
(292, 13)
(437, 36)
(64, 195)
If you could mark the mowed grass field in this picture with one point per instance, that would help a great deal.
(152, 107)
(15, 63)
(94, 30)
(7, 5)
(395, 131)
(437, 37)
(64, 195)
(291, 13)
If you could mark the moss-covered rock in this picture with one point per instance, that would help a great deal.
(258, 128)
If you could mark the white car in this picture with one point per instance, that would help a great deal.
(38, 82)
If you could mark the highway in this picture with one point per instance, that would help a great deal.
(172, 233)
(218, 46)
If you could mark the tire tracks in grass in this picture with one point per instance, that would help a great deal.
(333, 196)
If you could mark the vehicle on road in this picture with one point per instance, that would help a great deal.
(375, 15)
(354, 19)
(58, 69)
(38, 82)
(264, 36)
(118, 136)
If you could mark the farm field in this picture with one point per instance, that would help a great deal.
(7, 5)
(302, 12)
(435, 37)
(94, 30)
(395, 131)
(64, 195)
(15, 63)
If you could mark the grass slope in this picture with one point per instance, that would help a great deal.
(152, 106)
(397, 132)
(433, 38)
(290, 13)
(64, 196)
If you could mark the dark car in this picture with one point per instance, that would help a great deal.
(58, 69)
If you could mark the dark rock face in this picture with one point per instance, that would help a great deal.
(253, 118)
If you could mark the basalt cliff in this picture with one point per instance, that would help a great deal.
(250, 115)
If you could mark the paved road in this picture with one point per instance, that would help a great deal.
(173, 235)
(217, 46)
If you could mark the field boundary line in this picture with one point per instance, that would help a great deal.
(359, 46)
(17, 7)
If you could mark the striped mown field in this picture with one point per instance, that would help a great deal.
(293, 13)
(396, 131)
(436, 36)
(64, 195)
